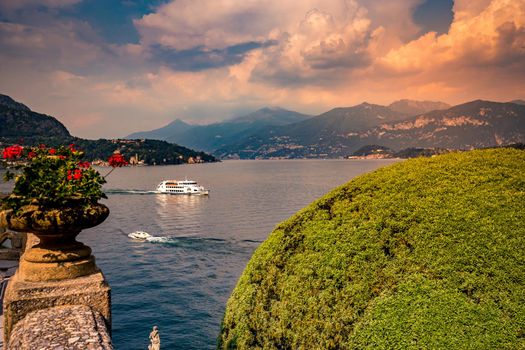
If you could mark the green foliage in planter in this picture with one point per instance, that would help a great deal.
(54, 179)
(424, 254)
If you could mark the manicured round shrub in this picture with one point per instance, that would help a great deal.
(425, 254)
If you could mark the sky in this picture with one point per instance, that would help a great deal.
(107, 68)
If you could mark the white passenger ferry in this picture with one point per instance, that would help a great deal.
(181, 187)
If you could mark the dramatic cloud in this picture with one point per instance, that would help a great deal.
(185, 24)
(207, 60)
(66, 45)
(492, 36)
(319, 48)
(309, 36)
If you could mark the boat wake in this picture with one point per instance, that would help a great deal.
(190, 242)
(154, 239)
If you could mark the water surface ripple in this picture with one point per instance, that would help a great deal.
(182, 281)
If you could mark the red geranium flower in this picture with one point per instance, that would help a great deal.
(72, 148)
(75, 174)
(12, 152)
(117, 160)
(78, 174)
(40, 172)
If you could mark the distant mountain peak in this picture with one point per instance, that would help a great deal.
(271, 108)
(367, 104)
(361, 106)
(178, 122)
(518, 102)
(271, 115)
(211, 136)
(476, 104)
(177, 126)
(413, 107)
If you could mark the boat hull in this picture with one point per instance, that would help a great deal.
(203, 193)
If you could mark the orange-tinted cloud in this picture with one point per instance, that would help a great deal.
(491, 36)
(310, 56)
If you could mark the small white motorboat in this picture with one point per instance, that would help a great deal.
(139, 235)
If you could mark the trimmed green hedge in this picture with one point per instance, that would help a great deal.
(424, 254)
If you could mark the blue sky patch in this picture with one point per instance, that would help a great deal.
(199, 58)
(113, 19)
(434, 16)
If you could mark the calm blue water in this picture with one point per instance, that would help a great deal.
(182, 284)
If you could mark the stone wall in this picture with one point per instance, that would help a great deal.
(72, 313)
(23, 298)
(62, 327)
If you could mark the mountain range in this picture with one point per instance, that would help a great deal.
(218, 135)
(248, 128)
(471, 125)
(276, 132)
(341, 131)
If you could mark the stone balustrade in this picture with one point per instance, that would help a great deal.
(51, 314)
(62, 327)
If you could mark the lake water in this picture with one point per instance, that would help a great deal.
(181, 282)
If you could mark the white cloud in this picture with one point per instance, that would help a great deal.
(325, 54)
(184, 24)
(315, 40)
(320, 47)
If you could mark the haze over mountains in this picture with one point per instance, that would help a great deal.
(341, 131)
(276, 132)
(209, 137)
(471, 125)
(411, 107)
(218, 135)
(223, 135)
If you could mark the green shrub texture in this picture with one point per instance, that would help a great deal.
(425, 254)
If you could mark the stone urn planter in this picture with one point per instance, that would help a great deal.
(55, 196)
(58, 255)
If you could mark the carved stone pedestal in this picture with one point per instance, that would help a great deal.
(22, 297)
(55, 270)
(56, 255)
(60, 261)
